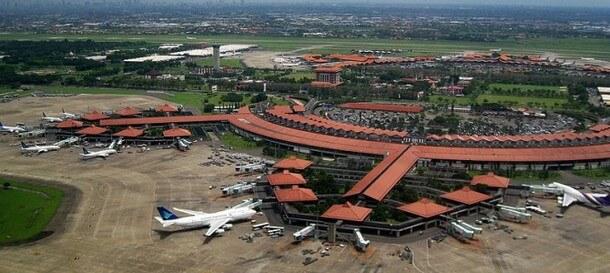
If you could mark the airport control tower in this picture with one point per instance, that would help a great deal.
(216, 56)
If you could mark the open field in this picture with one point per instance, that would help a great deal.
(237, 142)
(522, 101)
(26, 210)
(111, 228)
(224, 62)
(506, 86)
(573, 47)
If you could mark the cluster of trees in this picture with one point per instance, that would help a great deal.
(321, 182)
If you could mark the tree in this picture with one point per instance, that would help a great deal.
(208, 108)
(6, 185)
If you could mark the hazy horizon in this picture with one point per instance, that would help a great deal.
(524, 3)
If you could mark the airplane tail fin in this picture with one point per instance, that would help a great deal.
(85, 151)
(166, 214)
(1, 124)
(44, 115)
(63, 111)
(23, 145)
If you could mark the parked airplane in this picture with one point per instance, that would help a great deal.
(25, 149)
(50, 119)
(217, 221)
(571, 195)
(11, 129)
(66, 115)
(102, 153)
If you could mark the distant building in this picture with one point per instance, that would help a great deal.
(327, 77)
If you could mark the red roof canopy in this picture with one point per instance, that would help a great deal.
(425, 208)
(491, 180)
(69, 124)
(130, 132)
(295, 194)
(466, 196)
(94, 116)
(599, 127)
(347, 212)
(177, 132)
(128, 111)
(167, 108)
(328, 69)
(92, 130)
(292, 162)
(285, 178)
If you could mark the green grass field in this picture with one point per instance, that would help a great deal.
(224, 62)
(550, 103)
(595, 174)
(451, 99)
(237, 142)
(26, 210)
(505, 86)
(569, 47)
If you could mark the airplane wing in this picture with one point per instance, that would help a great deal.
(214, 226)
(567, 200)
(191, 212)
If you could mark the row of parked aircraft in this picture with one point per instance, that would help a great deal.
(63, 116)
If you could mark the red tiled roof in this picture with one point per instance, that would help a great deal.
(294, 194)
(164, 120)
(599, 127)
(177, 132)
(347, 212)
(425, 208)
(130, 132)
(389, 107)
(293, 162)
(391, 176)
(92, 130)
(285, 178)
(298, 108)
(373, 174)
(94, 116)
(491, 180)
(549, 154)
(328, 69)
(351, 57)
(166, 108)
(69, 124)
(466, 196)
(128, 111)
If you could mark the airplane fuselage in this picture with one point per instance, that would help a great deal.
(40, 149)
(204, 220)
(102, 154)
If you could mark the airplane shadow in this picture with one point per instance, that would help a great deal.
(166, 233)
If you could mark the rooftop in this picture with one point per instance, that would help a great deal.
(166, 108)
(425, 208)
(69, 124)
(285, 178)
(177, 132)
(92, 130)
(491, 180)
(128, 111)
(466, 196)
(294, 194)
(347, 212)
(293, 162)
(130, 132)
(94, 116)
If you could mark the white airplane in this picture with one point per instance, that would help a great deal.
(25, 149)
(217, 221)
(50, 119)
(182, 144)
(11, 129)
(102, 153)
(571, 195)
(66, 115)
